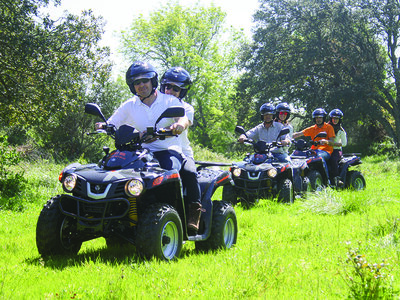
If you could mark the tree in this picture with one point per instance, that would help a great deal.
(317, 54)
(384, 17)
(194, 39)
(48, 71)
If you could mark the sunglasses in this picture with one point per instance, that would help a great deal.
(174, 87)
(283, 113)
(141, 80)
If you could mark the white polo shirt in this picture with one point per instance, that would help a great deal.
(133, 112)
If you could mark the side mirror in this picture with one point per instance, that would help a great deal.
(94, 109)
(240, 130)
(284, 131)
(171, 112)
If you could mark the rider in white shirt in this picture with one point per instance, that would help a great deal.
(335, 119)
(176, 81)
(144, 108)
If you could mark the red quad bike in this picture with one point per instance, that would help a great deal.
(128, 198)
(307, 164)
(260, 175)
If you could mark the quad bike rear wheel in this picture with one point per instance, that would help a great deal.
(355, 180)
(56, 234)
(224, 228)
(160, 233)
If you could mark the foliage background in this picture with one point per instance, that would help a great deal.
(331, 54)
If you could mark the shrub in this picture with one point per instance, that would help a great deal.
(11, 182)
(367, 280)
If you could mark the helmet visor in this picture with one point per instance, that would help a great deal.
(148, 75)
(182, 85)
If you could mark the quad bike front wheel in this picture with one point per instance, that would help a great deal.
(306, 185)
(286, 193)
(224, 228)
(56, 233)
(160, 233)
(355, 180)
(316, 181)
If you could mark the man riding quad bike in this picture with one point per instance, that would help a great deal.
(128, 198)
(309, 165)
(260, 175)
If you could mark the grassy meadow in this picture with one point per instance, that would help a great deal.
(331, 245)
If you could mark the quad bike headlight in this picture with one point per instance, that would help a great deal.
(133, 188)
(236, 172)
(272, 172)
(69, 182)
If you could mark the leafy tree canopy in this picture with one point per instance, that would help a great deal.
(326, 54)
(48, 70)
(195, 39)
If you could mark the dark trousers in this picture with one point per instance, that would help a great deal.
(334, 162)
(169, 159)
(188, 174)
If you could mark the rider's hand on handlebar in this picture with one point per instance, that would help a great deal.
(100, 125)
(323, 142)
(242, 138)
(177, 128)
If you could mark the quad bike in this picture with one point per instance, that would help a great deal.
(259, 175)
(308, 165)
(128, 198)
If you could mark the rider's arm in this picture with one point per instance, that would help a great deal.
(298, 134)
(343, 138)
(180, 125)
(251, 134)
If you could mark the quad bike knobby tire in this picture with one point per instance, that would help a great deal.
(56, 233)
(355, 180)
(286, 192)
(229, 194)
(159, 233)
(224, 228)
(306, 185)
(316, 181)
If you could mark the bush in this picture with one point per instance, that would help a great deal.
(385, 148)
(11, 182)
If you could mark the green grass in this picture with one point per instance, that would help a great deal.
(297, 251)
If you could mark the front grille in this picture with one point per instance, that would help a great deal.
(262, 183)
(98, 188)
(120, 189)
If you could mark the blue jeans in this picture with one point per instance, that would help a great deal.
(169, 159)
(325, 157)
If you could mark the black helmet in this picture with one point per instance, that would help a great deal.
(140, 70)
(267, 108)
(336, 113)
(283, 107)
(179, 77)
(319, 112)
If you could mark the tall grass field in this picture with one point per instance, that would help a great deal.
(328, 245)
